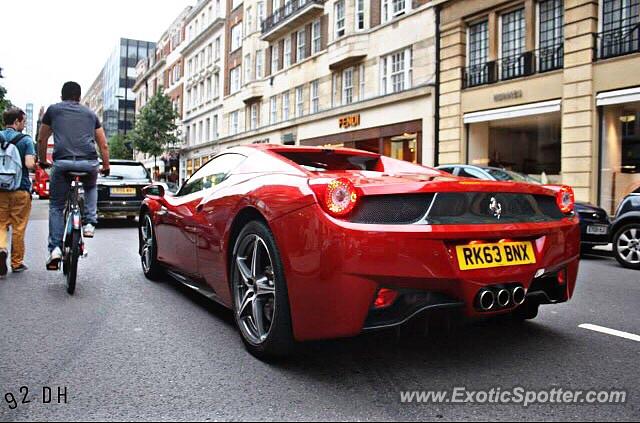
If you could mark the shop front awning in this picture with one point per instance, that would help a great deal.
(530, 109)
(609, 98)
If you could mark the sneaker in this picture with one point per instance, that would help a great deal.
(22, 268)
(88, 230)
(53, 263)
(3, 264)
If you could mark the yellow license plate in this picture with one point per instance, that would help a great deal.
(123, 191)
(484, 256)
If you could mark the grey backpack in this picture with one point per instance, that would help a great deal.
(10, 163)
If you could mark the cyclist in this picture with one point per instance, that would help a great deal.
(76, 131)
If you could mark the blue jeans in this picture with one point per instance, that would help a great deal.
(59, 189)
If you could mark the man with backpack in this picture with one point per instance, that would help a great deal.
(17, 156)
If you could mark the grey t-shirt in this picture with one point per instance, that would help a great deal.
(74, 131)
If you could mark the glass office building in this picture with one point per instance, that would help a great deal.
(119, 76)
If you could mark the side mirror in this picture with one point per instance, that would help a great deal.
(153, 191)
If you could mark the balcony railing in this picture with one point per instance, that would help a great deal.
(291, 7)
(525, 64)
(618, 42)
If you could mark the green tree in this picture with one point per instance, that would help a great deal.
(4, 104)
(155, 129)
(119, 148)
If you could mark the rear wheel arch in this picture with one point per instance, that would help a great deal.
(246, 215)
(629, 219)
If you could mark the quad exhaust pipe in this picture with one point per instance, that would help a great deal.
(504, 298)
(487, 300)
(491, 299)
(519, 295)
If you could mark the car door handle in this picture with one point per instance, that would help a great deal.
(199, 208)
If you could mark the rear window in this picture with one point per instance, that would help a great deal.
(120, 171)
(323, 161)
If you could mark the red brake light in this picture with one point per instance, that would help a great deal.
(386, 297)
(562, 277)
(565, 199)
(338, 197)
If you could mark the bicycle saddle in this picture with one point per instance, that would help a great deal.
(77, 174)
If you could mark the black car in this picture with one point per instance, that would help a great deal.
(594, 221)
(120, 193)
(626, 231)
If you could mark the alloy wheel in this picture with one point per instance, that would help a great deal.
(254, 288)
(628, 246)
(146, 231)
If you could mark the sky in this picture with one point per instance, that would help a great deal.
(49, 42)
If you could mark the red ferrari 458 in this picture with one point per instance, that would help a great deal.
(313, 243)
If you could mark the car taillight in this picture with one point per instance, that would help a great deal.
(562, 277)
(338, 197)
(386, 297)
(566, 199)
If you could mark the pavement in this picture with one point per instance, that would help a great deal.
(125, 348)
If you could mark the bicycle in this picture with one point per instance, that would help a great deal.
(73, 239)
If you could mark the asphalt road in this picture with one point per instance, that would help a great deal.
(129, 349)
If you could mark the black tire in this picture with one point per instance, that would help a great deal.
(527, 311)
(151, 267)
(72, 262)
(618, 251)
(278, 342)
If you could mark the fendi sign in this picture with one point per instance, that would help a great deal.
(349, 121)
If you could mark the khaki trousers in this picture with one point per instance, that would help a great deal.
(15, 209)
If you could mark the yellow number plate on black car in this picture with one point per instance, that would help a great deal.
(123, 191)
(484, 256)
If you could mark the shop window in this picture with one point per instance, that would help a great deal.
(530, 144)
(620, 172)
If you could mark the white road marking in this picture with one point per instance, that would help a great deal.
(613, 332)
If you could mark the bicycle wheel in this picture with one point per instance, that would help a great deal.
(72, 263)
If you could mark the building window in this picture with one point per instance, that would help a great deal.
(209, 54)
(201, 94)
(287, 52)
(236, 37)
(316, 36)
(235, 79)
(216, 85)
(254, 116)
(209, 89)
(512, 60)
(259, 64)
(393, 8)
(347, 86)
(478, 51)
(260, 14)
(234, 123)
(396, 72)
(247, 68)
(339, 18)
(207, 130)
(249, 21)
(285, 106)
(200, 138)
(361, 80)
(551, 37)
(299, 102)
(315, 97)
(217, 49)
(359, 15)
(235, 4)
(302, 45)
(620, 26)
(216, 133)
(273, 118)
(275, 58)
